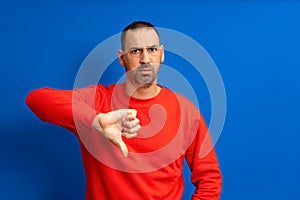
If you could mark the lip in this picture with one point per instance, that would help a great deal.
(146, 69)
(145, 72)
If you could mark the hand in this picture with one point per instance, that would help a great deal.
(116, 124)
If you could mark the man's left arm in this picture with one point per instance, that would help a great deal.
(203, 162)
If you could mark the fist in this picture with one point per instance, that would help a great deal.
(115, 124)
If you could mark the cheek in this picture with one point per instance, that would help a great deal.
(158, 59)
(156, 68)
(130, 66)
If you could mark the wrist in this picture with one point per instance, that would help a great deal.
(96, 124)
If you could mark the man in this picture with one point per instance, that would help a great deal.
(153, 129)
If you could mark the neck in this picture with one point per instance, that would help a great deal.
(146, 91)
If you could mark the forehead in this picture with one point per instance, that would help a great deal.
(141, 37)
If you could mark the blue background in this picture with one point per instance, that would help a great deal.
(256, 46)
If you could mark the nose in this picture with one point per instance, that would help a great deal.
(145, 57)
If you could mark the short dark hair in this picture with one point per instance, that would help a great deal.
(136, 25)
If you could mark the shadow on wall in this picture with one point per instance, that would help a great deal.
(40, 161)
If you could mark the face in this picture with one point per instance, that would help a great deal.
(142, 56)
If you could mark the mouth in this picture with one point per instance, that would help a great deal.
(145, 71)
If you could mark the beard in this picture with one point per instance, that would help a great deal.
(143, 75)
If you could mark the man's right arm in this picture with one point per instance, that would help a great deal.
(74, 110)
(58, 106)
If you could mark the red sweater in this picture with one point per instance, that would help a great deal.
(172, 129)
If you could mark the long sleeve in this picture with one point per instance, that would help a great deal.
(63, 108)
(202, 160)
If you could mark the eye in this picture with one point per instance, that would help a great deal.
(135, 51)
(152, 49)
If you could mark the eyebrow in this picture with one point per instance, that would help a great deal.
(152, 46)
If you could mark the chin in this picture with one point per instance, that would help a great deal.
(147, 85)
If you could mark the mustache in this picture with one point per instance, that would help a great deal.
(145, 66)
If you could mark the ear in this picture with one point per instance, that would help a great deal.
(121, 57)
(162, 54)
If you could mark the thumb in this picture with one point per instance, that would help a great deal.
(122, 146)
